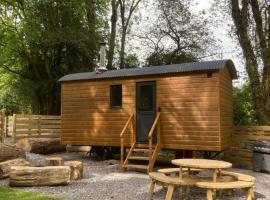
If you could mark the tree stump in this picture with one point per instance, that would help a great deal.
(8, 152)
(54, 161)
(39, 176)
(6, 166)
(76, 169)
(41, 145)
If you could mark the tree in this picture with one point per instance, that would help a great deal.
(127, 9)
(114, 17)
(243, 110)
(177, 35)
(131, 61)
(252, 27)
(44, 40)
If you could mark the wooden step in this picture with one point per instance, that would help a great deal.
(137, 166)
(142, 150)
(138, 158)
(144, 146)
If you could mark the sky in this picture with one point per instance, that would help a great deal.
(228, 46)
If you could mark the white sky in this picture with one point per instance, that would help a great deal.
(228, 46)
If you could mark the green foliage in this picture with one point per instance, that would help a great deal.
(40, 42)
(131, 61)
(179, 35)
(243, 109)
(166, 58)
(12, 194)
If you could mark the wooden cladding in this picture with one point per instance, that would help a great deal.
(226, 108)
(2, 126)
(35, 126)
(240, 152)
(190, 111)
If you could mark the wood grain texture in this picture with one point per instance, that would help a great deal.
(240, 153)
(226, 109)
(22, 176)
(76, 169)
(6, 166)
(35, 126)
(189, 111)
(8, 152)
(54, 161)
(41, 145)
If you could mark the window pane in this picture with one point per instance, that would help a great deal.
(116, 96)
(146, 98)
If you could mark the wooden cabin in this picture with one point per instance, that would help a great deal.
(182, 106)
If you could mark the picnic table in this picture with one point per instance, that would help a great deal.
(215, 165)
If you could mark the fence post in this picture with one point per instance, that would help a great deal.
(14, 128)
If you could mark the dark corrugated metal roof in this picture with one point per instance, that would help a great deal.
(164, 69)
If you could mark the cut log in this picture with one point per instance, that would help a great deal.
(54, 161)
(6, 166)
(39, 176)
(8, 152)
(41, 145)
(76, 169)
(72, 148)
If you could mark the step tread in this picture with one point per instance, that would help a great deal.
(141, 150)
(137, 166)
(138, 158)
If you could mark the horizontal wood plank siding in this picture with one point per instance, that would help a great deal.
(189, 112)
(188, 102)
(240, 153)
(87, 118)
(35, 126)
(226, 109)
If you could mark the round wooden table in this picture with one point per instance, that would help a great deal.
(215, 165)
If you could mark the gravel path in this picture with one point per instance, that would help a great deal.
(102, 180)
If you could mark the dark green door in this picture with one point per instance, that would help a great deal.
(145, 109)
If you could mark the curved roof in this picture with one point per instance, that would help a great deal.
(155, 70)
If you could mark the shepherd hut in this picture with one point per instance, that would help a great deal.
(181, 106)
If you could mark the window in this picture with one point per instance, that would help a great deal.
(146, 102)
(116, 96)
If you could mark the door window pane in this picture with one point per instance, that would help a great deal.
(146, 98)
(116, 96)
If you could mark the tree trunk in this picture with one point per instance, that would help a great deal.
(114, 4)
(41, 145)
(6, 166)
(76, 169)
(39, 176)
(54, 161)
(8, 152)
(122, 50)
(240, 18)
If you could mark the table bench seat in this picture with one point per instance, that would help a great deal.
(162, 179)
(239, 176)
(211, 186)
(169, 171)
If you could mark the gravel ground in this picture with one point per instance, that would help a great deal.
(102, 180)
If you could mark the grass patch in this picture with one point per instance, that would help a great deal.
(14, 194)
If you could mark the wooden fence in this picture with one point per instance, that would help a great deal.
(243, 137)
(38, 126)
(2, 126)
